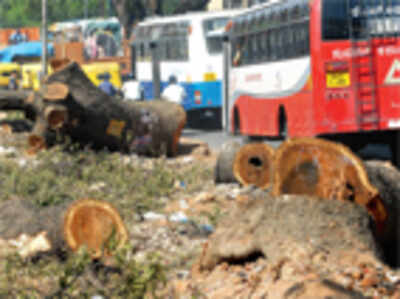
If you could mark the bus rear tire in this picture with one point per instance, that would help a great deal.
(283, 128)
(395, 149)
(236, 123)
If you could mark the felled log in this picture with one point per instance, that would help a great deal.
(70, 106)
(253, 165)
(316, 167)
(250, 164)
(386, 177)
(276, 228)
(87, 222)
(223, 172)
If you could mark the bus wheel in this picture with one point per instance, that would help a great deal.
(395, 149)
(283, 128)
(236, 123)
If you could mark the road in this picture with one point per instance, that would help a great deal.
(215, 139)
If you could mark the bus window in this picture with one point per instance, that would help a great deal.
(280, 51)
(305, 39)
(335, 20)
(262, 46)
(283, 16)
(260, 22)
(392, 14)
(252, 24)
(305, 9)
(245, 50)
(273, 44)
(266, 20)
(185, 48)
(267, 55)
(295, 13)
(274, 18)
(289, 42)
(374, 17)
(396, 17)
(213, 29)
(238, 51)
(255, 55)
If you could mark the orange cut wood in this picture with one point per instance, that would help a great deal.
(57, 64)
(36, 142)
(254, 165)
(316, 167)
(56, 116)
(55, 91)
(92, 223)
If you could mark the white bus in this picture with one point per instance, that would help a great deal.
(190, 48)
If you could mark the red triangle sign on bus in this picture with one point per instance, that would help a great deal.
(393, 76)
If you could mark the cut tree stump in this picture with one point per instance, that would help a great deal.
(87, 222)
(70, 106)
(93, 223)
(316, 167)
(254, 165)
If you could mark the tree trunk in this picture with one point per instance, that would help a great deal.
(254, 165)
(69, 105)
(69, 226)
(316, 167)
(251, 164)
(386, 178)
(304, 166)
(275, 227)
(223, 172)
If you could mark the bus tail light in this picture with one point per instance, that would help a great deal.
(197, 97)
(190, 30)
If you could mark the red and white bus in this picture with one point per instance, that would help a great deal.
(315, 68)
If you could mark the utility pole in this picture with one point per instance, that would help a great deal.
(44, 38)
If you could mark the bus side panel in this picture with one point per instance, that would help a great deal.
(260, 117)
(259, 91)
(299, 113)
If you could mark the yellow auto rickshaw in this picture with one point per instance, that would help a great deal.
(95, 70)
(6, 69)
(31, 75)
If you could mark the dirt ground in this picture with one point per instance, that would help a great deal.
(189, 238)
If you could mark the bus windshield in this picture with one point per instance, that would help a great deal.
(357, 19)
(214, 29)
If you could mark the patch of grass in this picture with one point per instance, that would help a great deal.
(55, 177)
(80, 277)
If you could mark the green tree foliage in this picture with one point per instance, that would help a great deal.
(20, 13)
(130, 12)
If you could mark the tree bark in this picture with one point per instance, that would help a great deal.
(223, 172)
(69, 105)
(386, 177)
